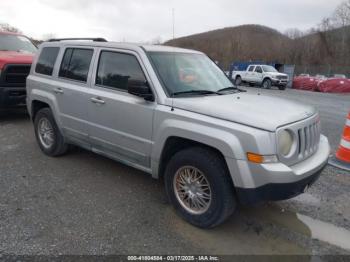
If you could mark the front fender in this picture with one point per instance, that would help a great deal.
(227, 143)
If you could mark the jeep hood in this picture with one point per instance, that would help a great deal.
(12, 57)
(260, 111)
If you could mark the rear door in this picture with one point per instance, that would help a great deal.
(120, 123)
(71, 91)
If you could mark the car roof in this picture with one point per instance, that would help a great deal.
(121, 45)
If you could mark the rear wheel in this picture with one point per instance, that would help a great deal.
(267, 83)
(47, 134)
(198, 184)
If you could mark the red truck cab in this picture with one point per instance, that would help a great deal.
(16, 56)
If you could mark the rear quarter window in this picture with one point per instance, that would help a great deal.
(46, 61)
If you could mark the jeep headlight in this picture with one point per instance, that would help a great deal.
(285, 142)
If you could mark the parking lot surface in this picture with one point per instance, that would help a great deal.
(83, 203)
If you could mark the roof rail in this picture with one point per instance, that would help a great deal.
(98, 39)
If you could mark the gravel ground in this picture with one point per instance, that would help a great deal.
(83, 203)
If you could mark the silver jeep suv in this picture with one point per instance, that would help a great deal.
(174, 114)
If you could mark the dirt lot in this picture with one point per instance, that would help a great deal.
(83, 203)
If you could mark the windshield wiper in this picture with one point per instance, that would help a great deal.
(228, 89)
(231, 88)
(199, 92)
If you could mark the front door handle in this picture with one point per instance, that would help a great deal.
(58, 90)
(97, 100)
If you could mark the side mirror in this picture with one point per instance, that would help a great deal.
(141, 89)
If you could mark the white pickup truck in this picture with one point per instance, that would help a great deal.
(262, 75)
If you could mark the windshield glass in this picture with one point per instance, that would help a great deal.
(16, 43)
(182, 72)
(269, 69)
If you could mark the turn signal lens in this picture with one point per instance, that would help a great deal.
(259, 159)
(255, 158)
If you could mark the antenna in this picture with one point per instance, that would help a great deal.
(172, 95)
(173, 12)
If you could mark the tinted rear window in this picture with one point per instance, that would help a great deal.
(76, 63)
(47, 60)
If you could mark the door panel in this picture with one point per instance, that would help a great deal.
(120, 124)
(258, 73)
(250, 74)
(72, 102)
(72, 93)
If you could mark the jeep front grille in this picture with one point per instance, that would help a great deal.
(306, 135)
(308, 139)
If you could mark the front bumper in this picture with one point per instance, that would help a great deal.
(11, 96)
(272, 182)
(280, 82)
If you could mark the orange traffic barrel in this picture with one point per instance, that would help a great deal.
(342, 157)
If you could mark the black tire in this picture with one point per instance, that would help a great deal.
(238, 81)
(223, 201)
(267, 83)
(282, 87)
(58, 147)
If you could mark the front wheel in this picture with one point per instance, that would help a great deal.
(282, 87)
(267, 83)
(199, 186)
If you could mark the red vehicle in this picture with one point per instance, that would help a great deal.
(16, 56)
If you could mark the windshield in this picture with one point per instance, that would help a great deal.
(187, 72)
(269, 69)
(16, 43)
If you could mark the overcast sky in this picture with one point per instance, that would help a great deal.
(146, 20)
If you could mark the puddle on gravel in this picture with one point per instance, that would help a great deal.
(236, 236)
(241, 236)
(315, 229)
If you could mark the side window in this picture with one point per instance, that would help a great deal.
(76, 63)
(47, 60)
(251, 69)
(117, 69)
(258, 69)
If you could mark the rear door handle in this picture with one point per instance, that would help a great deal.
(97, 100)
(58, 90)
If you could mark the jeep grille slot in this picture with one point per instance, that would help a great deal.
(309, 138)
(16, 74)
